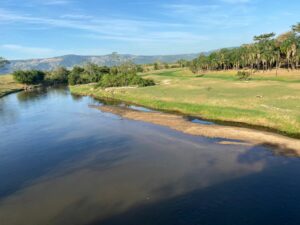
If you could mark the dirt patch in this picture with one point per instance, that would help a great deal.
(110, 89)
(166, 82)
(177, 122)
(234, 143)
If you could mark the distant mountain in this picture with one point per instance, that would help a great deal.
(71, 60)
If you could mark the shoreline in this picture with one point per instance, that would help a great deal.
(280, 144)
(9, 86)
(107, 96)
(11, 92)
(176, 120)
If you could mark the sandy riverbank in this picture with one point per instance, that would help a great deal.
(281, 144)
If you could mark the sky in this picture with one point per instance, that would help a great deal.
(47, 28)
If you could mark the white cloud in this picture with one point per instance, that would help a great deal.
(56, 2)
(236, 1)
(211, 15)
(189, 8)
(100, 25)
(26, 49)
(154, 37)
(109, 28)
(75, 16)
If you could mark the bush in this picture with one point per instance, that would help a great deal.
(123, 80)
(74, 76)
(243, 75)
(57, 76)
(139, 69)
(29, 77)
(91, 73)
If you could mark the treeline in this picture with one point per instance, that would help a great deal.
(265, 53)
(123, 75)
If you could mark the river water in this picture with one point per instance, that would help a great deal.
(63, 162)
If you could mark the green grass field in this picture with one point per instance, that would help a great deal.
(265, 101)
(8, 85)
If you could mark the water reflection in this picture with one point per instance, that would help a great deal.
(41, 93)
(7, 113)
(77, 97)
(88, 167)
(135, 172)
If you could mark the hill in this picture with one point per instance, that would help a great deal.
(72, 60)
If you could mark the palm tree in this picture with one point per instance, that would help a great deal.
(263, 43)
(296, 28)
(289, 47)
(265, 53)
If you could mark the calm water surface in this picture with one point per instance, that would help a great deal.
(62, 162)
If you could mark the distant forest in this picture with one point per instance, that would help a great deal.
(268, 51)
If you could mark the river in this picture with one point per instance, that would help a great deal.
(63, 162)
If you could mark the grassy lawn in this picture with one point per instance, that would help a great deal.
(265, 101)
(8, 85)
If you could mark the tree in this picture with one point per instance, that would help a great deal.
(263, 47)
(203, 62)
(182, 63)
(29, 77)
(74, 76)
(296, 28)
(58, 76)
(94, 72)
(122, 80)
(288, 47)
(156, 66)
(139, 69)
(194, 66)
(266, 52)
(264, 37)
(128, 68)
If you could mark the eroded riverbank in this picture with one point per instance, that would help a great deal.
(254, 137)
(266, 103)
(9, 86)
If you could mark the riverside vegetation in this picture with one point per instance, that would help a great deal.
(267, 52)
(265, 100)
(256, 84)
(123, 75)
(8, 85)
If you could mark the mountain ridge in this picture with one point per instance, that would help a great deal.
(72, 60)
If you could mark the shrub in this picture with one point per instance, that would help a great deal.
(243, 75)
(123, 80)
(139, 69)
(29, 77)
(74, 76)
(57, 76)
(91, 73)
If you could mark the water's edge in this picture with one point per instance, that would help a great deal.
(176, 112)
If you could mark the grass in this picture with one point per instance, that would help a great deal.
(265, 101)
(8, 85)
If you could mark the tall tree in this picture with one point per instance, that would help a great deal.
(266, 52)
(296, 28)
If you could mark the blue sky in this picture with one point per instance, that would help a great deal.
(46, 28)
